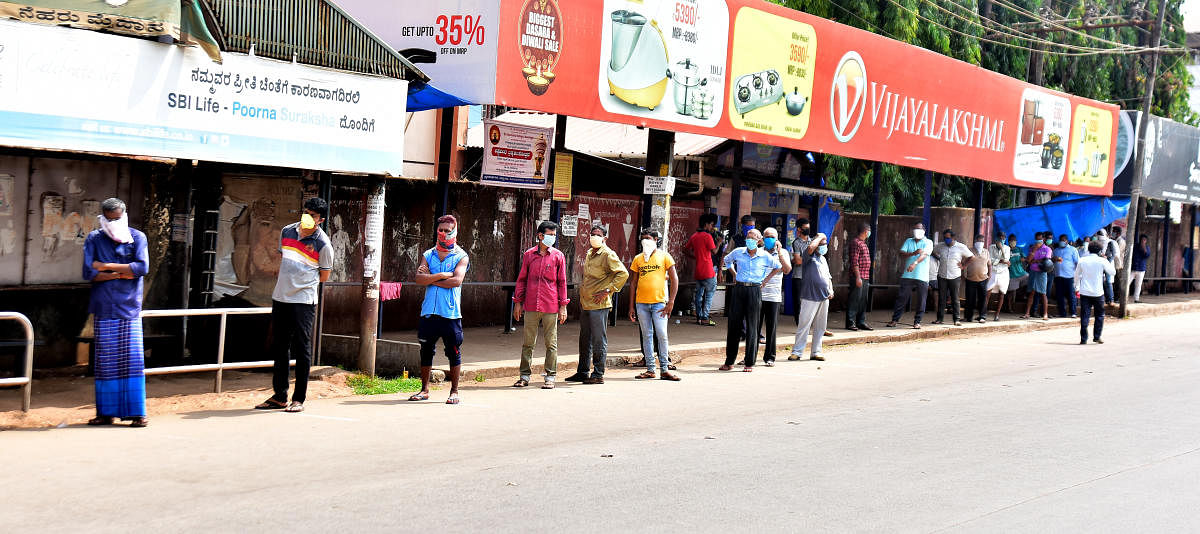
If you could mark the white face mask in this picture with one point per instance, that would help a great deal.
(918, 234)
(649, 246)
(979, 245)
(597, 241)
(548, 240)
(117, 230)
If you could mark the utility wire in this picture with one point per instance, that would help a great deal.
(1016, 34)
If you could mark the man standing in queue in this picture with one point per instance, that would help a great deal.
(860, 280)
(750, 266)
(603, 276)
(815, 294)
(915, 279)
(541, 297)
(442, 271)
(115, 260)
(307, 259)
(655, 284)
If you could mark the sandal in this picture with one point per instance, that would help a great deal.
(271, 404)
(891, 324)
(100, 420)
(453, 399)
(725, 368)
(670, 376)
(747, 369)
(139, 422)
(647, 374)
(294, 407)
(917, 326)
(1026, 316)
(419, 396)
(520, 383)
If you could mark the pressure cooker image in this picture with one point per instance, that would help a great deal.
(687, 82)
(795, 102)
(637, 66)
(755, 90)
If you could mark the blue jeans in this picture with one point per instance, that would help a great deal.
(704, 295)
(653, 325)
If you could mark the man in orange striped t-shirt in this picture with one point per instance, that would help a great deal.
(307, 258)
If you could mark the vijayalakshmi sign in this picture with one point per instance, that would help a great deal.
(759, 72)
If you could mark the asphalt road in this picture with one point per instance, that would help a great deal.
(1004, 433)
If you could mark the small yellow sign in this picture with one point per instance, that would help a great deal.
(1091, 138)
(564, 166)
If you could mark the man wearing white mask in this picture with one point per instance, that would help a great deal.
(603, 275)
(115, 259)
(306, 261)
(541, 298)
(998, 283)
(976, 271)
(915, 252)
(750, 266)
(815, 294)
(655, 284)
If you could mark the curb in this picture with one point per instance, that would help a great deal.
(567, 362)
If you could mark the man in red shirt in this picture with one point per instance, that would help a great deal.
(541, 297)
(860, 276)
(701, 247)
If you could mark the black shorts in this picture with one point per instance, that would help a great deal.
(434, 327)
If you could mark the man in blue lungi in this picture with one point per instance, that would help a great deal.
(114, 261)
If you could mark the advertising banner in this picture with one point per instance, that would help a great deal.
(516, 155)
(759, 72)
(1172, 167)
(91, 92)
(459, 35)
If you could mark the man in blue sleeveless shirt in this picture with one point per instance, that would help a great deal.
(442, 270)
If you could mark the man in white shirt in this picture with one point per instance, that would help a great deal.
(950, 255)
(1089, 278)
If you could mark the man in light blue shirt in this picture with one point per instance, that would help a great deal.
(1066, 257)
(750, 265)
(915, 253)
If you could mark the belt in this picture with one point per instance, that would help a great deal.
(748, 284)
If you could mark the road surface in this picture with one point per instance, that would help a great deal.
(1015, 432)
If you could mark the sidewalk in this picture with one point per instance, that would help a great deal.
(489, 353)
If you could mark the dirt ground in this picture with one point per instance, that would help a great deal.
(67, 400)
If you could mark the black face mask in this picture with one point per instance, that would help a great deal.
(804, 232)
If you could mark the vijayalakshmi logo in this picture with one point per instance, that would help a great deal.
(848, 96)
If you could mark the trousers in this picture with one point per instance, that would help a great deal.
(705, 289)
(547, 323)
(769, 318)
(593, 342)
(976, 300)
(856, 307)
(908, 286)
(814, 317)
(747, 306)
(1087, 307)
(1064, 293)
(949, 296)
(292, 326)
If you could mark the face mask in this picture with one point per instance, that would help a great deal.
(769, 242)
(117, 230)
(979, 245)
(751, 244)
(548, 240)
(868, 236)
(307, 222)
(803, 232)
(746, 228)
(1048, 242)
(597, 241)
(448, 242)
(918, 234)
(949, 241)
(649, 246)
(1063, 244)
(822, 249)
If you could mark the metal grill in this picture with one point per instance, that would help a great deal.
(314, 32)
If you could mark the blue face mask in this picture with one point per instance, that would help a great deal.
(751, 244)
(746, 228)
(548, 240)
(769, 242)
(949, 240)
(822, 249)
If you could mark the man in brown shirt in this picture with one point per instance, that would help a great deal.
(976, 271)
(603, 275)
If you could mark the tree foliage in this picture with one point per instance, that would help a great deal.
(955, 28)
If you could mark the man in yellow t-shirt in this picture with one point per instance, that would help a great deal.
(652, 304)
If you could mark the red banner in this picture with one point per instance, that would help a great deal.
(759, 72)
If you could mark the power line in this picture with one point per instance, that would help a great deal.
(1017, 34)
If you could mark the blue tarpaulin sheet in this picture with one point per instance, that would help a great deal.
(1075, 215)
(828, 218)
(423, 96)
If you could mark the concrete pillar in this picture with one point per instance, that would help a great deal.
(372, 260)
(560, 144)
(926, 211)
(660, 154)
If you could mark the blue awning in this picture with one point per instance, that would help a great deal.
(1076, 215)
(423, 96)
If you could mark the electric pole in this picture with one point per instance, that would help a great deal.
(1135, 190)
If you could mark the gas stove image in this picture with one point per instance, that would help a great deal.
(755, 90)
